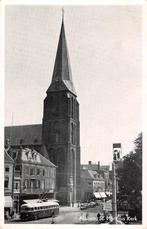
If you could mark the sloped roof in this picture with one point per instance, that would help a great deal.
(94, 167)
(62, 77)
(95, 175)
(28, 134)
(90, 174)
(7, 158)
(32, 156)
(43, 152)
(85, 174)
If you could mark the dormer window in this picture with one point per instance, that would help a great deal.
(26, 154)
(33, 155)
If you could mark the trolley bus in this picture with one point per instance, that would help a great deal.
(38, 210)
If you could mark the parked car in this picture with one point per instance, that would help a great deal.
(92, 204)
(83, 206)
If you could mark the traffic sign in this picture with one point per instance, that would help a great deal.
(107, 206)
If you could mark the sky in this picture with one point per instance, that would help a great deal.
(104, 44)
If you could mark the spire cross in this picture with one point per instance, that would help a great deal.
(62, 13)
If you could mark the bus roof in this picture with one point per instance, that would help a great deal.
(42, 204)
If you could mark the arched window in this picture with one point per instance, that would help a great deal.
(72, 133)
(72, 107)
(56, 125)
(57, 137)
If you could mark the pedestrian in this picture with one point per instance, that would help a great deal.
(87, 215)
(98, 216)
(12, 214)
(52, 221)
(53, 216)
(81, 217)
(7, 216)
(105, 218)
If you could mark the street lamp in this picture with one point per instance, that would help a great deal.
(116, 157)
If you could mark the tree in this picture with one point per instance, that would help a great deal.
(130, 178)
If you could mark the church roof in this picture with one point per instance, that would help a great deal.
(24, 135)
(62, 77)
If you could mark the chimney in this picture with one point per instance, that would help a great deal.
(89, 162)
(98, 167)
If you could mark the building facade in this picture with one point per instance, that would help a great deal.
(102, 170)
(91, 182)
(61, 128)
(34, 177)
(8, 181)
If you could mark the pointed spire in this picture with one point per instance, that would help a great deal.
(62, 77)
(62, 14)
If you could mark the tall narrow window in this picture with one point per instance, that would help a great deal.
(57, 137)
(72, 111)
(72, 133)
(6, 184)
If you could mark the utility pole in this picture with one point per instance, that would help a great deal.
(114, 199)
(116, 158)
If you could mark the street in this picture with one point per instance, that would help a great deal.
(68, 215)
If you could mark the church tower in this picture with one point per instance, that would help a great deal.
(61, 127)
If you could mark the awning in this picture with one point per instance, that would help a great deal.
(100, 195)
(97, 195)
(103, 195)
(108, 193)
(8, 202)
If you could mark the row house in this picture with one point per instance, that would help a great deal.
(91, 182)
(34, 176)
(8, 181)
(102, 170)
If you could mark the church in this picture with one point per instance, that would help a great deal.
(58, 137)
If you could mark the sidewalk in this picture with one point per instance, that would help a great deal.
(16, 218)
